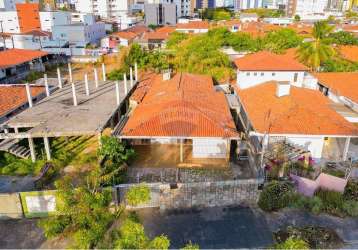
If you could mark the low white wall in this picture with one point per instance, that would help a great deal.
(209, 148)
(247, 79)
(313, 144)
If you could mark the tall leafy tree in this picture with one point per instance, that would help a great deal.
(319, 50)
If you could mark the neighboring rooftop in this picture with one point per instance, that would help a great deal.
(193, 25)
(302, 112)
(349, 52)
(184, 106)
(13, 57)
(268, 61)
(341, 83)
(125, 34)
(57, 116)
(14, 96)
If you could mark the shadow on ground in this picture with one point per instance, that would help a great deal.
(213, 228)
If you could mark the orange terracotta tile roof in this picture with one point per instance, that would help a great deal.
(184, 106)
(193, 25)
(155, 35)
(13, 57)
(143, 86)
(303, 112)
(138, 29)
(350, 28)
(268, 61)
(341, 83)
(166, 29)
(125, 35)
(13, 96)
(349, 52)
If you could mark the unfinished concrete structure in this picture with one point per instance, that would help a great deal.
(79, 108)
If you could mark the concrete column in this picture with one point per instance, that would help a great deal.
(47, 148)
(32, 149)
(16, 132)
(346, 148)
(86, 85)
(70, 72)
(125, 84)
(104, 72)
(117, 93)
(6, 131)
(46, 85)
(95, 77)
(181, 151)
(28, 93)
(136, 72)
(74, 94)
(59, 78)
(131, 76)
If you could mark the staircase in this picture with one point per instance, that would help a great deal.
(11, 146)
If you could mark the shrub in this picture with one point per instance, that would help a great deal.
(276, 195)
(313, 204)
(190, 246)
(351, 208)
(332, 201)
(292, 243)
(351, 191)
(54, 225)
(138, 195)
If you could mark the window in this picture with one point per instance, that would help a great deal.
(262, 73)
(248, 73)
(255, 74)
(295, 77)
(273, 73)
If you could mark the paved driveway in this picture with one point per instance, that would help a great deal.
(218, 227)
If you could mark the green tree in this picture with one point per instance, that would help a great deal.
(243, 42)
(292, 243)
(221, 15)
(314, 53)
(112, 149)
(175, 39)
(82, 212)
(280, 40)
(137, 195)
(343, 38)
(132, 236)
(297, 18)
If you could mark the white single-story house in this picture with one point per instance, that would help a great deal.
(263, 66)
(277, 110)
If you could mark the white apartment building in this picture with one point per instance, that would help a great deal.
(10, 5)
(9, 22)
(307, 8)
(183, 6)
(248, 4)
(49, 19)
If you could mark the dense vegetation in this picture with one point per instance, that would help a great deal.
(277, 195)
(309, 237)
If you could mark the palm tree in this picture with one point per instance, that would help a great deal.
(318, 50)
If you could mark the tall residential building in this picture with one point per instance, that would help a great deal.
(183, 6)
(110, 9)
(306, 7)
(248, 4)
(205, 4)
(160, 14)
